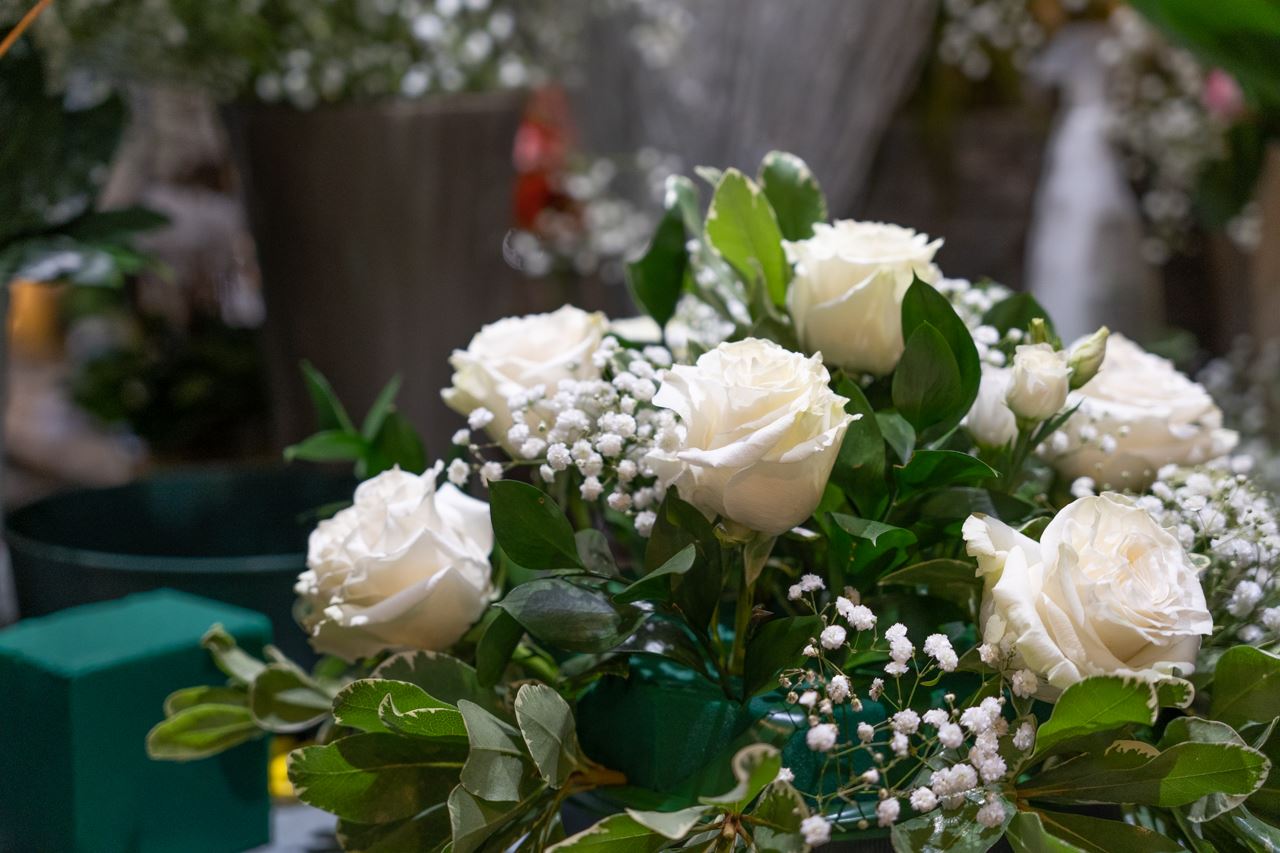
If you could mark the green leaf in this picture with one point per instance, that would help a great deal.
(619, 833)
(530, 527)
(474, 820)
(327, 446)
(780, 811)
(673, 825)
(427, 831)
(955, 580)
(547, 726)
(239, 665)
(775, 645)
(924, 306)
(189, 697)
(742, 228)
(1266, 800)
(495, 768)
(1058, 832)
(898, 434)
(1244, 830)
(793, 193)
(872, 540)
(376, 778)
(1016, 312)
(397, 443)
(377, 413)
(859, 469)
(1184, 729)
(951, 830)
(330, 413)
(656, 280)
(284, 699)
(359, 706)
(430, 723)
(442, 676)
(927, 390)
(1246, 687)
(1137, 773)
(571, 617)
(1098, 704)
(934, 469)
(754, 767)
(656, 586)
(501, 636)
(200, 731)
(595, 553)
(698, 592)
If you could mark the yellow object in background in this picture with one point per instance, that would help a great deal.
(278, 784)
(35, 319)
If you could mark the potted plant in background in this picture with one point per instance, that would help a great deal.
(888, 563)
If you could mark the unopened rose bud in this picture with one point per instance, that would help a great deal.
(1039, 383)
(1038, 332)
(1087, 356)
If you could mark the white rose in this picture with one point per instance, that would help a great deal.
(846, 296)
(517, 354)
(990, 421)
(1105, 590)
(759, 433)
(405, 567)
(1137, 415)
(1039, 383)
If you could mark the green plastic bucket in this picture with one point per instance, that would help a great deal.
(234, 534)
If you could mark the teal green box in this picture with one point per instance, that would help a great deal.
(79, 690)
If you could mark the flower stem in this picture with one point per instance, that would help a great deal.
(741, 615)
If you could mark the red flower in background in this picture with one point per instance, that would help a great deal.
(541, 152)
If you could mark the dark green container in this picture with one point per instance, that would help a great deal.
(235, 534)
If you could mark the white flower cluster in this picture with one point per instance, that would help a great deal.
(1245, 383)
(595, 433)
(975, 33)
(1217, 511)
(948, 756)
(971, 303)
(1163, 125)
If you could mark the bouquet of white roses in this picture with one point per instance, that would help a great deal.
(830, 547)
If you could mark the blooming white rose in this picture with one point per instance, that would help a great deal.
(759, 433)
(405, 567)
(846, 296)
(1105, 590)
(1137, 415)
(990, 421)
(516, 354)
(1039, 383)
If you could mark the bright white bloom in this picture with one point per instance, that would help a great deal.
(991, 814)
(405, 567)
(990, 420)
(846, 295)
(785, 775)
(857, 615)
(816, 830)
(938, 647)
(950, 735)
(1025, 737)
(906, 721)
(866, 733)
(887, 811)
(645, 521)
(923, 800)
(479, 418)
(935, 717)
(1039, 382)
(990, 654)
(458, 472)
(490, 472)
(877, 688)
(462, 437)
(1145, 610)
(871, 776)
(761, 432)
(1024, 683)
(811, 583)
(838, 688)
(822, 737)
(1244, 598)
(1154, 415)
(832, 637)
(591, 488)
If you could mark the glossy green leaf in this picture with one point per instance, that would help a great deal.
(474, 821)
(501, 636)
(780, 810)
(859, 469)
(331, 415)
(927, 390)
(656, 586)
(1199, 730)
(619, 833)
(530, 527)
(754, 767)
(571, 617)
(495, 769)
(547, 726)
(594, 552)
(238, 664)
(674, 825)
(793, 193)
(1098, 704)
(1016, 312)
(656, 279)
(742, 228)
(396, 444)
(427, 831)
(934, 469)
(189, 697)
(442, 676)
(1059, 832)
(284, 699)
(327, 446)
(357, 705)
(377, 414)
(922, 306)
(898, 434)
(200, 731)
(1246, 687)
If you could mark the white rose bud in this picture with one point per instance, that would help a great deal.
(991, 422)
(516, 354)
(1086, 357)
(1105, 590)
(1039, 383)
(759, 433)
(1149, 414)
(405, 567)
(846, 296)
